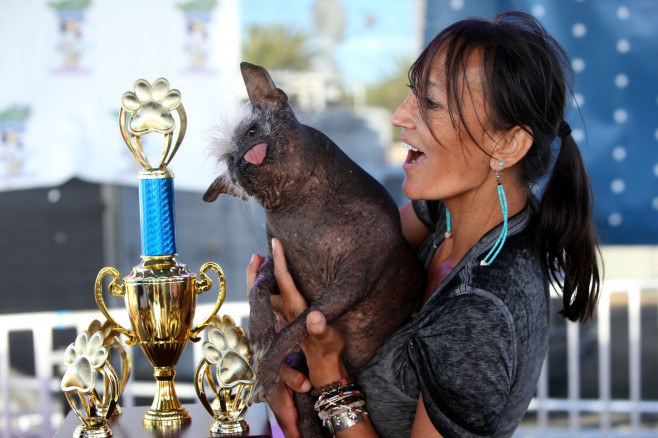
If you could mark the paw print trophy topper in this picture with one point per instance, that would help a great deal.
(150, 107)
(145, 111)
(227, 349)
(159, 293)
(84, 358)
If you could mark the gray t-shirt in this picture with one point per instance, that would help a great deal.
(476, 347)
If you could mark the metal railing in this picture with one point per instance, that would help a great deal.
(574, 407)
(45, 410)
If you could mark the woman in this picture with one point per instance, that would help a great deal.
(486, 109)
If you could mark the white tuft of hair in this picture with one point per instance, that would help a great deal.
(234, 115)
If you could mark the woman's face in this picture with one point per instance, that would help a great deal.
(451, 164)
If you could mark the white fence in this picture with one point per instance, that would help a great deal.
(605, 407)
(32, 405)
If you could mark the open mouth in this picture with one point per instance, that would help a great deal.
(414, 156)
(256, 154)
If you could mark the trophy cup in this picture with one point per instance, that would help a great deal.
(159, 293)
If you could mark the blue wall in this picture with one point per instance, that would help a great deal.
(614, 49)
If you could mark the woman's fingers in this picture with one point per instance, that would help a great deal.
(294, 379)
(323, 338)
(323, 348)
(252, 271)
(292, 302)
(281, 399)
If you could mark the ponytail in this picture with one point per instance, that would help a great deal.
(566, 232)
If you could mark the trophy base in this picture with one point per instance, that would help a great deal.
(225, 426)
(95, 431)
(166, 417)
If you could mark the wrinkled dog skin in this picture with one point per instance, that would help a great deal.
(339, 227)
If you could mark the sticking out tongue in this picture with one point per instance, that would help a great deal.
(256, 154)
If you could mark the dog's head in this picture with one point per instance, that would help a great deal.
(266, 154)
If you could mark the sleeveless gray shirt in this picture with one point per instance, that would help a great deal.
(476, 347)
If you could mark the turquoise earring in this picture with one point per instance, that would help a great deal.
(448, 226)
(493, 252)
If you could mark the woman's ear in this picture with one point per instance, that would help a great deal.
(514, 145)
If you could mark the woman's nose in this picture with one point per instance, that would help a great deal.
(403, 116)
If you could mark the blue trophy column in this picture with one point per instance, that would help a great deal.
(157, 214)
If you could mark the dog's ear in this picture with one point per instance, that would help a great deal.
(220, 185)
(261, 88)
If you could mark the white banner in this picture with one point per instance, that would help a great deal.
(65, 64)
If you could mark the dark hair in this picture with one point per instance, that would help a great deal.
(525, 81)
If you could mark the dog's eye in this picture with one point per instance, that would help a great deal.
(251, 131)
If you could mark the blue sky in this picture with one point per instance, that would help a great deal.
(376, 32)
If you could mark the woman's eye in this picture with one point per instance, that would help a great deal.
(251, 131)
(430, 104)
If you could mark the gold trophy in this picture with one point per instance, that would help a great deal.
(85, 358)
(112, 342)
(159, 293)
(227, 349)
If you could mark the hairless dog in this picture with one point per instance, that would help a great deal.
(339, 226)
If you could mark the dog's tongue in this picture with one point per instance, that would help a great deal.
(256, 154)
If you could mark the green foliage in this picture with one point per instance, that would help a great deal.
(64, 5)
(390, 91)
(15, 113)
(197, 5)
(278, 46)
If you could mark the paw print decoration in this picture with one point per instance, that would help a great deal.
(227, 349)
(84, 358)
(148, 109)
(151, 106)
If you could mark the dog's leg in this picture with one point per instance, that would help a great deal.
(308, 423)
(261, 316)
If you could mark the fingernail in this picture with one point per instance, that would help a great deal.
(251, 260)
(306, 386)
(273, 243)
(315, 317)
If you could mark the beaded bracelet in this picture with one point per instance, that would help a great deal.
(336, 396)
(341, 383)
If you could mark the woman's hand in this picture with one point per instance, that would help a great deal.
(324, 345)
(323, 348)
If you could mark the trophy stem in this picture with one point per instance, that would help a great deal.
(166, 409)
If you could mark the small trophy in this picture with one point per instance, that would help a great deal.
(159, 293)
(84, 358)
(227, 349)
(112, 342)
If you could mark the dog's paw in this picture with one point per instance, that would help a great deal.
(266, 378)
(259, 393)
(150, 106)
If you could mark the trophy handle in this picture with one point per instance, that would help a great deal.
(199, 377)
(204, 284)
(117, 290)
